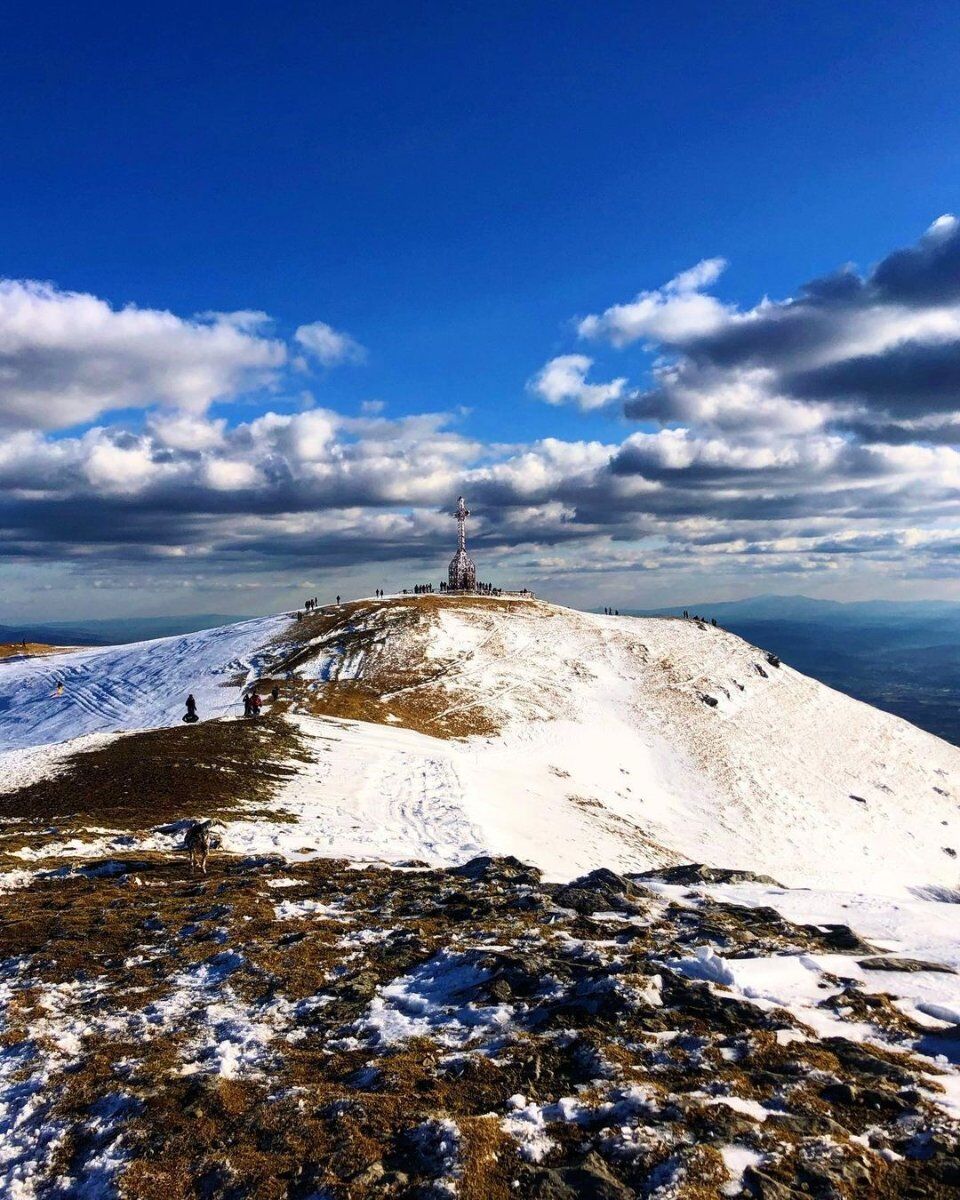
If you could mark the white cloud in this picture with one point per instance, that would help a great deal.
(670, 314)
(229, 474)
(563, 380)
(184, 431)
(117, 469)
(67, 357)
(328, 345)
(695, 279)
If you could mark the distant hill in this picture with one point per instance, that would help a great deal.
(112, 631)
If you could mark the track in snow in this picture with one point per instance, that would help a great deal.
(371, 792)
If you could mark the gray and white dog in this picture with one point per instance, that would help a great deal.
(197, 843)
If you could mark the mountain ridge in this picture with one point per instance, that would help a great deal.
(575, 739)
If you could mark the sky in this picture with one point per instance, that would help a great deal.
(670, 293)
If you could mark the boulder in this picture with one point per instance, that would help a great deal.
(882, 962)
(691, 873)
(501, 868)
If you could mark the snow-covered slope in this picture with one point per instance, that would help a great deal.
(622, 742)
(137, 686)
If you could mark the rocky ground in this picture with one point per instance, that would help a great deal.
(326, 1030)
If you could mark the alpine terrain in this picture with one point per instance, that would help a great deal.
(503, 899)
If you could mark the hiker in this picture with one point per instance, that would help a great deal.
(58, 690)
(191, 713)
(247, 706)
(338, 602)
(275, 693)
(256, 703)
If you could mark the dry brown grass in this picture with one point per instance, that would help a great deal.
(409, 691)
(31, 649)
(144, 779)
(319, 1120)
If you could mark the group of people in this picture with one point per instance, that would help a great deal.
(611, 612)
(253, 701)
(252, 704)
(697, 617)
(311, 604)
(427, 589)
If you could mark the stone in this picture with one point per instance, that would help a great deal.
(765, 1187)
(884, 963)
(691, 873)
(591, 1179)
(840, 937)
(505, 868)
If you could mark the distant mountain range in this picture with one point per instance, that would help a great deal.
(112, 631)
(902, 656)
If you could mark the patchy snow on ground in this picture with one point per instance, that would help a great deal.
(919, 930)
(600, 746)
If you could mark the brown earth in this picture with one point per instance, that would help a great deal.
(327, 1107)
(407, 691)
(31, 649)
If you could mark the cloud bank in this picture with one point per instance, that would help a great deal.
(800, 436)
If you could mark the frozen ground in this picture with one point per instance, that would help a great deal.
(310, 1029)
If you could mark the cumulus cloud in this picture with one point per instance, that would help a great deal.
(848, 352)
(671, 314)
(68, 357)
(563, 380)
(792, 437)
(327, 345)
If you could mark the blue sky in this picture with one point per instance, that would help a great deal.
(455, 188)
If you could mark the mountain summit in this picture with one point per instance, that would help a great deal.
(438, 726)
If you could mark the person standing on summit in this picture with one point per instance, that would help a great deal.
(191, 713)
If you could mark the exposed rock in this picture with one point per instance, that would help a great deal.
(581, 900)
(601, 890)
(505, 868)
(842, 938)
(885, 963)
(401, 1034)
(765, 1187)
(591, 1179)
(692, 873)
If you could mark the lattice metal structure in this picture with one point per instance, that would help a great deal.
(462, 575)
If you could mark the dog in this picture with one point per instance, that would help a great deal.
(197, 844)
